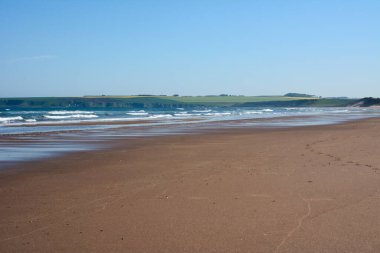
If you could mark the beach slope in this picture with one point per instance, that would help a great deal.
(302, 189)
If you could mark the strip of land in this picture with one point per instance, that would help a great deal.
(148, 101)
(305, 189)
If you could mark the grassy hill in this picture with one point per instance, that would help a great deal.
(231, 100)
(167, 101)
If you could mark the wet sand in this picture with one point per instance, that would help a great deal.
(302, 189)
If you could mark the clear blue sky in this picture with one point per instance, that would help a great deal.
(74, 48)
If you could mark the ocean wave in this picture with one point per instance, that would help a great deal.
(182, 115)
(252, 112)
(339, 111)
(71, 116)
(10, 119)
(267, 110)
(69, 112)
(138, 113)
(121, 119)
(160, 116)
(206, 110)
(75, 121)
(218, 114)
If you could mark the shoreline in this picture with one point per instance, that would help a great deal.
(83, 140)
(297, 189)
(36, 121)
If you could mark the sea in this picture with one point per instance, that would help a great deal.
(38, 133)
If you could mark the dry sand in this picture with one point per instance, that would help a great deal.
(306, 189)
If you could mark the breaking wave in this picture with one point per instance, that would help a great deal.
(69, 112)
(10, 119)
(138, 113)
(73, 116)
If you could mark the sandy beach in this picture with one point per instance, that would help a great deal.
(300, 189)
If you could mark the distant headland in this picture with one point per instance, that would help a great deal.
(171, 101)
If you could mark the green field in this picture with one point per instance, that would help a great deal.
(232, 99)
(210, 99)
(168, 101)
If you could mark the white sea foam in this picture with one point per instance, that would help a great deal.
(69, 112)
(218, 114)
(253, 112)
(122, 119)
(138, 113)
(267, 110)
(339, 111)
(206, 110)
(71, 116)
(182, 114)
(10, 119)
(30, 120)
(71, 121)
(160, 116)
